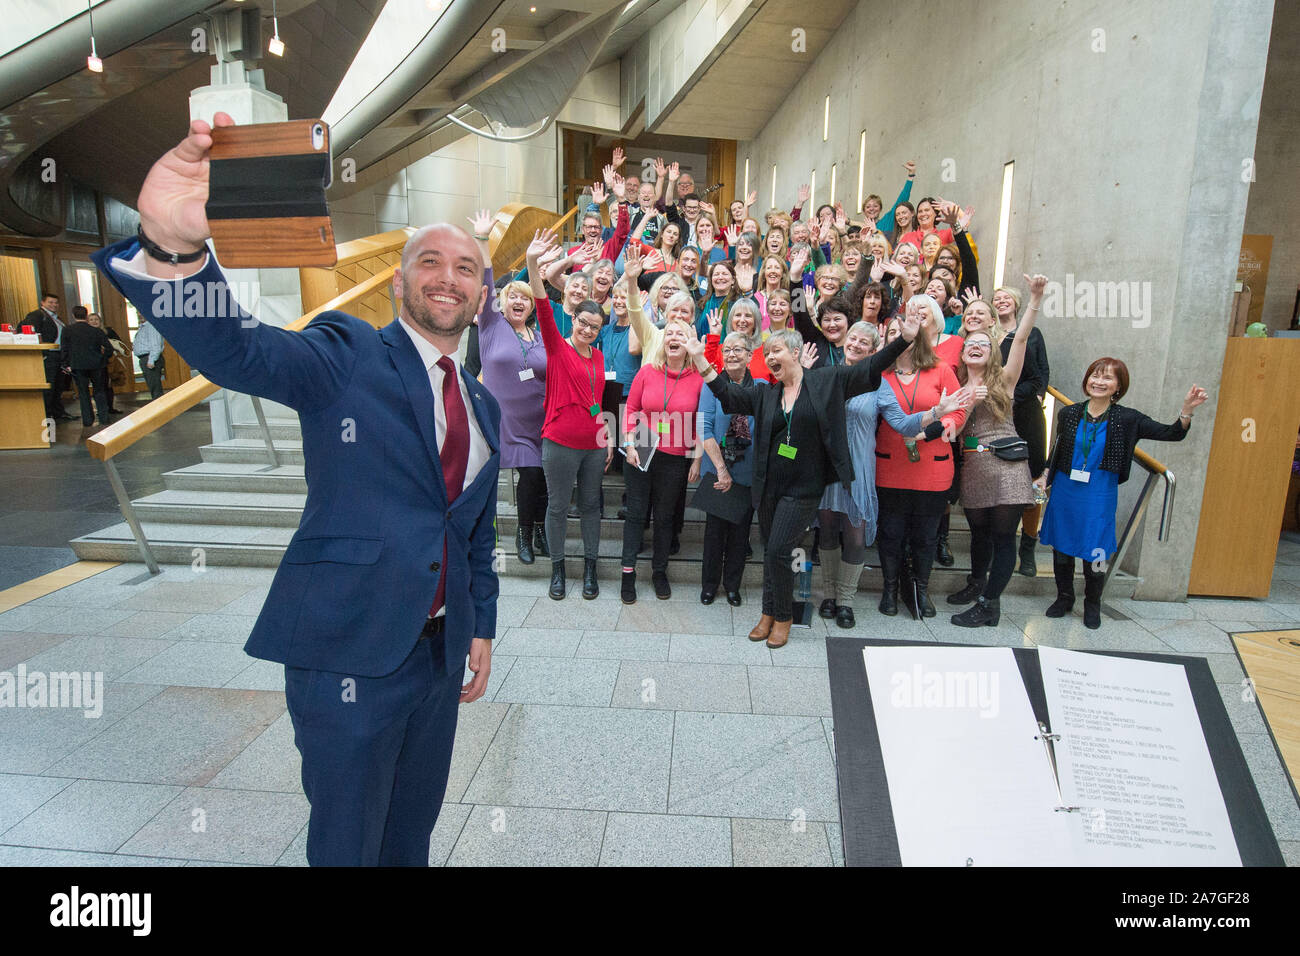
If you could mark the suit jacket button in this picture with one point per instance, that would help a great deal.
(434, 566)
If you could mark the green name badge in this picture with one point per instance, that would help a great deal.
(971, 442)
(663, 428)
(595, 410)
(786, 451)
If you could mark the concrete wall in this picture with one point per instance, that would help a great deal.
(1127, 124)
(1274, 208)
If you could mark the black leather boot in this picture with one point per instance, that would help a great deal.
(973, 589)
(1027, 566)
(524, 544)
(1092, 585)
(982, 613)
(590, 587)
(1063, 569)
(557, 580)
(889, 596)
(923, 603)
(907, 587)
(628, 591)
(942, 553)
(539, 541)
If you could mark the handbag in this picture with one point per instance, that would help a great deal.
(1013, 448)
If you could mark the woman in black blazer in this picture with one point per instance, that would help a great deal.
(800, 446)
(1095, 441)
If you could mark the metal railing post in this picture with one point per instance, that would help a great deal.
(128, 512)
(271, 456)
(1133, 519)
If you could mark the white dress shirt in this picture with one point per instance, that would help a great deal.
(479, 451)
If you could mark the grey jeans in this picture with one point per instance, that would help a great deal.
(563, 466)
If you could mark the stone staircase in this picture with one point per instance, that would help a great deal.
(242, 512)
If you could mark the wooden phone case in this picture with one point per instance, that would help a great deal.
(266, 205)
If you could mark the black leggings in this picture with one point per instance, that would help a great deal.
(782, 523)
(530, 495)
(993, 545)
(656, 490)
(914, 516)
(838, 532)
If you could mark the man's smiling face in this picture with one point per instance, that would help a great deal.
(442, 280)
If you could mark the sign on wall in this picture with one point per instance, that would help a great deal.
(1252, 271)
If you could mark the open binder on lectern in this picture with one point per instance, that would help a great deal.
(1119, 774)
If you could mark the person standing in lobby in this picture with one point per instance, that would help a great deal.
(45, 320)
(148, 346)
(384, 589)
(86, 351)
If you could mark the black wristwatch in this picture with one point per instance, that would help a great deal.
(155, 251)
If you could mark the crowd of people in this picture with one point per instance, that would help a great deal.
(849, 375)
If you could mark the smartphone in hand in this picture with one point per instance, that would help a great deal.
(266, 195)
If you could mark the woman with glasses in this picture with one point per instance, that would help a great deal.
(995, 478)
(576, 445)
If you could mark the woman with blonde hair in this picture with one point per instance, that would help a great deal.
(995, 477)
(665, 287)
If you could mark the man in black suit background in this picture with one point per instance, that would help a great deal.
(50, 328)
(86, 352)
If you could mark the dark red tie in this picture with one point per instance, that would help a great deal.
(454, 455)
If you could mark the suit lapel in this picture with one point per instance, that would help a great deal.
(485, 422)
(415, 379)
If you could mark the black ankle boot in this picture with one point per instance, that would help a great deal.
(827, 609)
(539, 542)
(942, 554)
(1063, 604)
(663, 590)
(1027, 566)
(1092, 601)
(844, 616)
(628, 592)
(982, 613)
(524, 544)
(557, 580)
(973, 589)
(590, 587)
(923, 605)
(889, 595)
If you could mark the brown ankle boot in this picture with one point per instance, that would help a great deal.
(763, 629)
(780, 633)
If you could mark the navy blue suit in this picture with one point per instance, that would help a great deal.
(353, 591)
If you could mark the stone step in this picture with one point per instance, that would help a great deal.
(290, 431)
(257, 478)
(267, 509)
(252, 451)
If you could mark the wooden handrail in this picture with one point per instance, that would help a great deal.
(1141, 457)
(125, 432)
(557, 226)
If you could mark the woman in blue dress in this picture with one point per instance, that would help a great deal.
(847, 516)
(1095, 441)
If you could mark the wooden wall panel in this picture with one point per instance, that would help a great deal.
(1246, 481)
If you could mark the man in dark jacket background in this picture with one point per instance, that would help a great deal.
(86, 352)
(45, 320)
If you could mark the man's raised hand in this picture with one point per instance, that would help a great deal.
(175, 192)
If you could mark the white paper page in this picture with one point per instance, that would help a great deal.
(1133, 757)
(968, 780)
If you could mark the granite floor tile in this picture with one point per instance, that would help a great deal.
(537, 642)
(624, 645)
(34, 739)
(192, 664)
(233, 826)
(657, 839)
(151, 624)
(674, 617)
(215, 628)
(1008, 632)
(1226, 668)
(1275, 789)
(835, 837)
(111, 656)
(447, 831)
(196, 597)
(1242, 707)
(573, 612)
(555, 680)
(1290, 852)
(25, 616)
(184, 736)
(270, 762)
(1242, 609)
(1072, 634)
(21, 794)
(752, 765)
(718, 649)
(524, 836)
(779, 843)
(89, 619)
(295, 853)
(248, 604)
(258, 675)
(37, 856)
(19, 646)
(1191, 637)
(581, 757)
(476, 726)
(94, 815)
(790, 691)
(1144, 611)
(681, 685)
(512, 609)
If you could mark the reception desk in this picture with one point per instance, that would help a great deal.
(22, 396)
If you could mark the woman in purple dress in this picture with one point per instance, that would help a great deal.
(514, 371)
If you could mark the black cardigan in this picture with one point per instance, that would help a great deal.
(1035, 372)
(829, 388)
(1127, 427)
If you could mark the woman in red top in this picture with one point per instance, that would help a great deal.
(925, 224)
(913, 476)
(575, 438)
(661, 408)
(743, 318)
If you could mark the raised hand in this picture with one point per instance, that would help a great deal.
(841, 220)
(619, 156)
(732, 233)
(745, 276)
(543, 241)
(660, 169)
(910, 324)
(964, 217)
(714, 319)
(620, 187)
(1196, 396)
(708, 207)
(877, 269)
(804, 192)
(481, 222)
(608, 175)
(751, 199)
(632, 264)
(797, 262)
(175, 193)
(694, 345)
(910, 167)
(808, 355)
(674, 171)
(893, 268)
(598, 193)
(1036, 283)
(969, 294)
